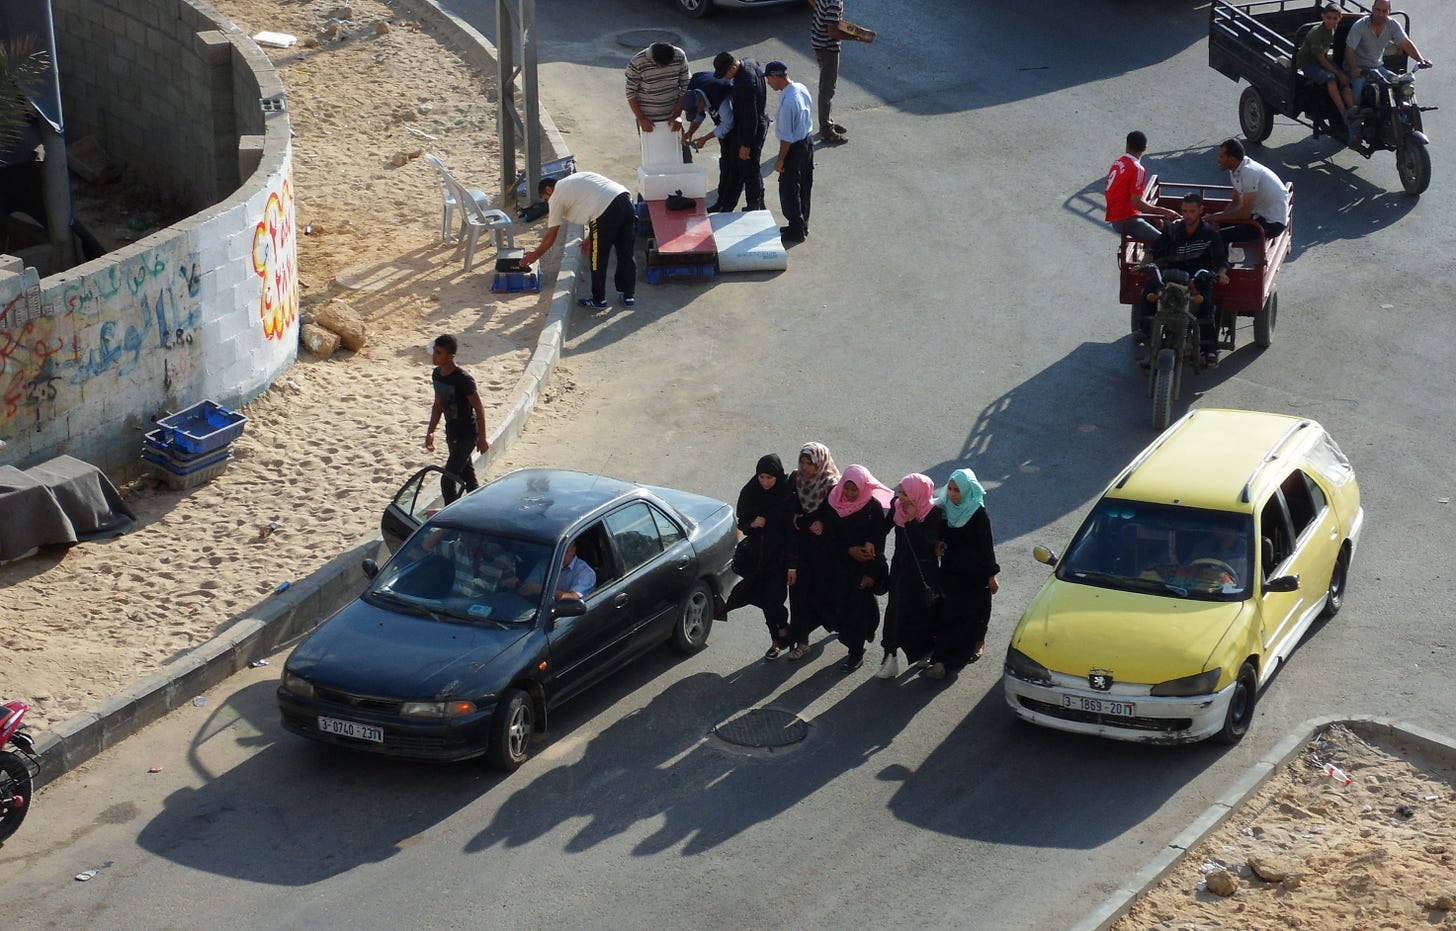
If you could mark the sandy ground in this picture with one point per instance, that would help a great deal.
(329, 443)
(1311, 851)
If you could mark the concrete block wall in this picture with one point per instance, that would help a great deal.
(153, 82)
(207, 308)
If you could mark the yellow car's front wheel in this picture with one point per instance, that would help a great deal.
(1241, 706)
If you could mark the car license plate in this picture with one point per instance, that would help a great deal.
(351, 729)
(1123, 709)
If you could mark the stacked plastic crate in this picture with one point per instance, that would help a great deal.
(193, 446)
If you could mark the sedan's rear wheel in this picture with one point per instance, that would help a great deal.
(694, 620)
(1241, 706)
(697, 9)
(510, 731)
(1335, 596)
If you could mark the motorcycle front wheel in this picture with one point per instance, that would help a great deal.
(1166, 371)
(14, 780)
(1413, 163)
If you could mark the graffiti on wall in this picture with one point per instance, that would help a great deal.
(94, 332)
(275, 260)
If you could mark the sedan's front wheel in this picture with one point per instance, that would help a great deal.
(510, 731)
(694, 620)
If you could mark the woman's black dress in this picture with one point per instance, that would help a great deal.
(965, 575)
(816, 597)
(909, 623)
(766, 585)
(860, 615)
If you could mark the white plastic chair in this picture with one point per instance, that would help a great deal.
(455, 193)
(476, 214)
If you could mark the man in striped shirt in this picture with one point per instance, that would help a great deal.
(657, 77)
(824, 36)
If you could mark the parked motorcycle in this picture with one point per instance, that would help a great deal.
(18, 768)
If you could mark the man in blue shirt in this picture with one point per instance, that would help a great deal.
(576, 581)
(793, 123)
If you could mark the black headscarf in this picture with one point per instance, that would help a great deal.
(754, 501)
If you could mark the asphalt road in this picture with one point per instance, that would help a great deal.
(955, 304)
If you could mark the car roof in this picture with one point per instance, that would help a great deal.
(1218, 459)
(536, 504)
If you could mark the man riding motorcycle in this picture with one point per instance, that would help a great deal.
(1191, 246)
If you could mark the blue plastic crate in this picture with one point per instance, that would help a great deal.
(506, 282)
(192, 479)
(156, 449)
(202, 428)
(662, 274)
(187, 468)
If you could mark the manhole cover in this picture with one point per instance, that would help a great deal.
(641, 38)
(763, 728)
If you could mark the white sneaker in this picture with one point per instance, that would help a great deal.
(890, 668)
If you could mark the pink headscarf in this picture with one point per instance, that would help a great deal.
(869, 487)
(921, 492)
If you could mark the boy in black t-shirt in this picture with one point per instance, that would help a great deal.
(458, 401)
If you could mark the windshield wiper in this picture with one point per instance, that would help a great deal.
(409, 604)
(1090, 575)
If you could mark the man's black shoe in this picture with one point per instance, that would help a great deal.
(788, 234)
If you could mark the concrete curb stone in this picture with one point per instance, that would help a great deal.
(1120, 902)
(287, 615)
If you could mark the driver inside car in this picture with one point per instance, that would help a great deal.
(1227, 546)
(577, 578)
(1191, 246)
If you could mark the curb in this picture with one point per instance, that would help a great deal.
(287, 615)
(1120, 902)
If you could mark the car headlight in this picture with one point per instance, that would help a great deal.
(297, 684)
(1202, 684)
(1024, 667)
(437, 709)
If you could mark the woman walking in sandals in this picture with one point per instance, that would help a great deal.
(967, 575)
(915, 595)
(765, 515)
(861, 504)
(814, 567)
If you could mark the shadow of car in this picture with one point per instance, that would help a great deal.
(504, 604)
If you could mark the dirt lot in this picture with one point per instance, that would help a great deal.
(1310, 851)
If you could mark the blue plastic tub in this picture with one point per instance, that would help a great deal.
(201, 428)
(171, 464)
(156, 448)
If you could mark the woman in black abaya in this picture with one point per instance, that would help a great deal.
(765, 515)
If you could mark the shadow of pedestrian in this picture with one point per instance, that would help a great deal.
(661, 764)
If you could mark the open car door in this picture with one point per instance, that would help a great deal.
(413, 504)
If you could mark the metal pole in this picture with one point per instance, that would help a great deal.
(505, 31)
(533, 109)
(515, 27)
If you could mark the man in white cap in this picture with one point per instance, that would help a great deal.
(793, 123)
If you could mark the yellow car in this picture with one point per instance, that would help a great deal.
(1191, 580)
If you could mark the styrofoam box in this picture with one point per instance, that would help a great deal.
(661, 148)
(657, 183)
(748, 242)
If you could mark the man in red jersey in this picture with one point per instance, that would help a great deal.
(1125, 182)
